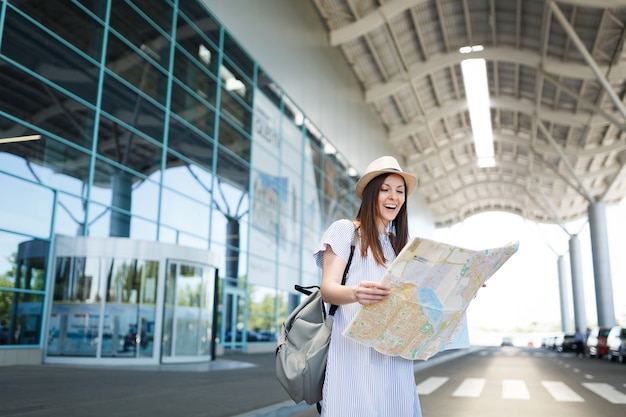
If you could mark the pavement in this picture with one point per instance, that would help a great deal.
(233, 385)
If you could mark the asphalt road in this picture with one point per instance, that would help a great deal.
(520, 382)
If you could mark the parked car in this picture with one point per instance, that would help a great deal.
(566, 343)
(616, 342)
(548, 342)
(596, 342)
(251, 336)
(507, 341)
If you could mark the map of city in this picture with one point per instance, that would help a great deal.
(432, 284)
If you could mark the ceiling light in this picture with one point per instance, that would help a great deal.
(477, 92)
(20, 138)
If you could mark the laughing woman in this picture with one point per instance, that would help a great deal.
(360, 381)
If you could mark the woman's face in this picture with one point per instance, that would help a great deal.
(391, 197)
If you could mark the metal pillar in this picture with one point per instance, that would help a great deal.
(564, 292)
(578, 291)
(601, 264)
(121, 198)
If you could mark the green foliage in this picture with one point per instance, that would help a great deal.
(261, 313)
(7, 280)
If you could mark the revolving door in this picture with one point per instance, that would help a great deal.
(117, 300)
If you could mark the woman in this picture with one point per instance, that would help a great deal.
(359, 380)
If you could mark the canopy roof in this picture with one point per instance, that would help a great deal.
(557, 81)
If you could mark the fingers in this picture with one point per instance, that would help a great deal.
(368, 292)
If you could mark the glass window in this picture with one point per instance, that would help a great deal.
(233, 169)
(192, 11)
(97, 7)
(142, 31)
(27, 98)
(238, 112)
(69, 215)
(28, 210)
(262, 304)
(194, 57)
(128, 148)
(191, 143)
(192, 109)
(36, 50)
(132, 108)
(184, 213)
(126, 191)
(241, 61)
(136, 70)
(69, 21)
(22, 325)
(188, 179)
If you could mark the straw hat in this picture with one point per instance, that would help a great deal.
(384, 165)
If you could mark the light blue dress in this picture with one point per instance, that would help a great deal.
(360, 381)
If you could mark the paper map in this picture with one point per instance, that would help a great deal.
(432, 284)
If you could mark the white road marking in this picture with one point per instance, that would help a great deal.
(429, 385)
(561, 392)
(471, 388)
(514, 389)
(606, 391)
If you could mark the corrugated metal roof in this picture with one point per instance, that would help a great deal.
(557, 81)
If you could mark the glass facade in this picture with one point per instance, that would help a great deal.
(147, 120)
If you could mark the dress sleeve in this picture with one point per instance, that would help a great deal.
(339, 236)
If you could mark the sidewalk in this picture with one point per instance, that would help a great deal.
(234, 385)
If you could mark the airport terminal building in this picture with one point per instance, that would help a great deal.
(165, 178)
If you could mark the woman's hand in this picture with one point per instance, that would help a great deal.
(370, 292)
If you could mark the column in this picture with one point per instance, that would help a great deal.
(564, 296)
(578, 290)
(601, 264)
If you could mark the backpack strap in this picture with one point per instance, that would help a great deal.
(333, 307)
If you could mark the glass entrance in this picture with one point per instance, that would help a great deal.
(120, 300)
(188, 312)
(103, 307)
(233, 317)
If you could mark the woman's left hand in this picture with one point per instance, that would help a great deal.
(370, 292)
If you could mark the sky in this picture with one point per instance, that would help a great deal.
(525, 291)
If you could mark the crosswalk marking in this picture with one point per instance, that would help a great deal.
(514, 389)
(561, 392)
(606, 391)
(470, 387)
(431, 384)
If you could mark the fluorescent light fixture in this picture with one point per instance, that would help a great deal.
(20, 138)
(468, 49)
(477, 91)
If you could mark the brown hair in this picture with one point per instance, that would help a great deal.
(368, 216)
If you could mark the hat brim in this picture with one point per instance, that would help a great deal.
(409, 179)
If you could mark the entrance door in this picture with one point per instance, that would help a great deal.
(233, 317)
(118, 300)
(188, 312)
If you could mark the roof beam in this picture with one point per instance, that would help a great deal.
(502, 54)
(540, 149)
(595, 3)
(393, 8)
(565, 160)
(371, 21)
(587, 56)
(400, 132)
